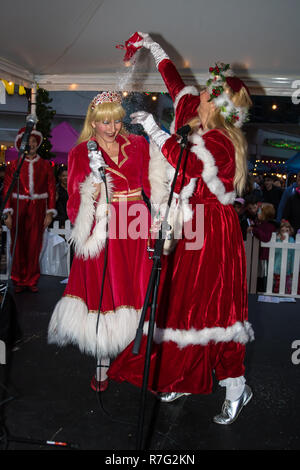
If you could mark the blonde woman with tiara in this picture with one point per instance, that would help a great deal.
(202, 318)
(100, 308)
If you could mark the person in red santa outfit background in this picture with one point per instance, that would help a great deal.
(201, 322)
(29, 211)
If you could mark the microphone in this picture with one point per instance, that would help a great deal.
(184, 130)
(30, 122)
(91, 145)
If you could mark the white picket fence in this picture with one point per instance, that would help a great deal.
(52, 253)
(284, 246)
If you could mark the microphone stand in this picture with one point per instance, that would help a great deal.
(152, 291)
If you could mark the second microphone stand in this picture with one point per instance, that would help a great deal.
(151, 298)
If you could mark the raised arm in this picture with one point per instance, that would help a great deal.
(186, 99)
(167, 69)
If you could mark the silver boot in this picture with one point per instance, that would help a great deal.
(231, 409)
(170, 396)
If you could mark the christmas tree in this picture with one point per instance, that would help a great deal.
(45, 114)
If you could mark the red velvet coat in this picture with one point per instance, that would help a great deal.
(37, 195)
(75, 318)
(201, 321)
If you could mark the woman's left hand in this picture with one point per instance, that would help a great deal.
(97, 191)
(48, 219)
(145, 119)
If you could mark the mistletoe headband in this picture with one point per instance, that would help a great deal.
(106, 97)
(219, 75)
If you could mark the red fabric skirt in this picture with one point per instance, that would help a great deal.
(105, 328)
(201, 320)
(26, 265)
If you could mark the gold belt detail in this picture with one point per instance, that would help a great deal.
(133, 195)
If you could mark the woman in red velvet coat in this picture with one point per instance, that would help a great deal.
(202, 317)
(103, 328)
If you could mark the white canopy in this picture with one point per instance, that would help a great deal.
(71, 44)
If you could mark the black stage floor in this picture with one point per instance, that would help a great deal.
(50, 399)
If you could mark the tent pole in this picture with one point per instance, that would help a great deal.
(33, 100)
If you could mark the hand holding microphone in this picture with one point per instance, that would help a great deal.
(97, 163)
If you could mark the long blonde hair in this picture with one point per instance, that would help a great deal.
(102, 112)
(235, 134)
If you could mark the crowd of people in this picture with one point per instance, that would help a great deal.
(268, 207)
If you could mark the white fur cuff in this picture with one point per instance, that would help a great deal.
(238, 332)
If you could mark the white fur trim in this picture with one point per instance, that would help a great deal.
(161, 174)
(71, 323)
(232, 382)
(238, 332)
(210, 171)
(31, 197)
(8, 211)
(30, 177)
(89, 244)
(52, 211)
(187, 90)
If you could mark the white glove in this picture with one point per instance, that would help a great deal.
(155, 133)
(96, 162)
(155, 49)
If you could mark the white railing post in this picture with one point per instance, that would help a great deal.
(271, 261)
(284, 246)
(296, 266)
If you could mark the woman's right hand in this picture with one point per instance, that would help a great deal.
(8, 221)
(146, 42)
(156, 50)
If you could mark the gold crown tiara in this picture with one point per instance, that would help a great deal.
(106, 97)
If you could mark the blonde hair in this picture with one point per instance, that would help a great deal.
(216, 120)
(102, 112)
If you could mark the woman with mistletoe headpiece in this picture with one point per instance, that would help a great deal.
(202, 317)
(100, 309)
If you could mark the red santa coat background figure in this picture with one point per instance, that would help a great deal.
(37, 193)
(202, 316)
(126, 160)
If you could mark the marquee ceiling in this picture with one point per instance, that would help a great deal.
(71, 43)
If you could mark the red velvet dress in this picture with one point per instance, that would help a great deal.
(37, 193)
(75, 318)
(201, 320)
